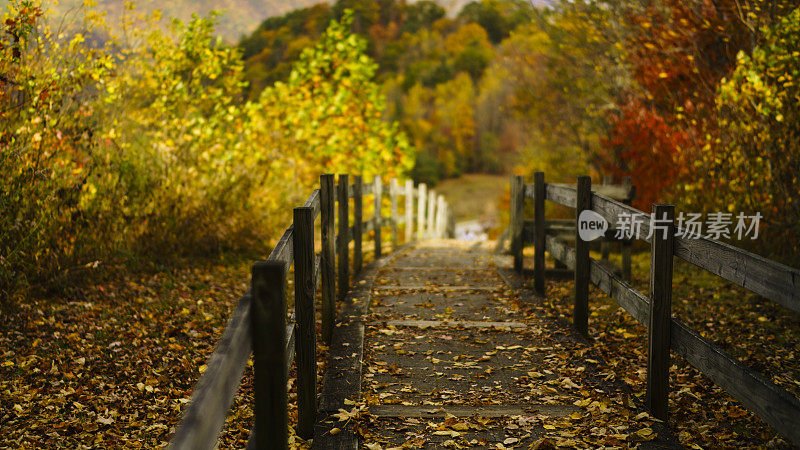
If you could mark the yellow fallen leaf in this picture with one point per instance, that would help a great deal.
(202, 368)
(335, 430)
(447, 433)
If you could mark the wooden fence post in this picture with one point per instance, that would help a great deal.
(344, 236)
(431, 231)
(377, 190)
(626, 244)
(580, 313)
(268, 322)
(658, 360)
(306, 342)
(517, 219)
(605, 247)
(440, 214)
(393, 210)
(328, 258)
(451, 224)
(358, 223)
(422, 197)
(539, 232)
(409, 210)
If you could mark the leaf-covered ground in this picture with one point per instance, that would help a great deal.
(114, 368)
(571, 393)
(762, 334)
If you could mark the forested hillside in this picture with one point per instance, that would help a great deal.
(240, 17)
(678, 95)
(143, 151)
(148, 140)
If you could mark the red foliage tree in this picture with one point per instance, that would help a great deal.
(642, 145)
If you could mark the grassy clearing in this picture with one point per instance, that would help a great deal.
(476, 196)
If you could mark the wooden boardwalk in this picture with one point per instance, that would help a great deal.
(449, 359)
(438, 345)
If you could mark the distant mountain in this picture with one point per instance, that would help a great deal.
(241, 16)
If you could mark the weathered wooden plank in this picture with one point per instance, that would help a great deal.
(352, 190)
(616, 192)
(774, 405)
(268, 334)
(517, 221)
(561, 194)
(631, 300)
(313, 202)
(422, 197)
(342, 375)
(306, 344)
(658, 339)
(560, 251)
(409, 213)
(283, 249)
(605, 247)
(441, 411)
(393, 192)
(580, 312)
(317, 270)
(328, 256)
(539, 233)
(770, 279)
(431, 231)
(291, 337)
(378, 199)
(343, 241)
(358, 232)
(627, 244)
(440, 216)
(453, 324)
(451, 224)
(214, 392)
(613, 211)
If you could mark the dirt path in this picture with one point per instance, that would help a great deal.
(450, 361)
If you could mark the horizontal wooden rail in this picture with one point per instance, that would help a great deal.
(563, 195)
(214, 392)
(777, 407)
(769, 279)
(313, 202)
(617, 192)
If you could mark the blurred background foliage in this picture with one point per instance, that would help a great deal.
(144, 148)
(151, 139)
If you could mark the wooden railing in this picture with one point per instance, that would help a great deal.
(769, 279)
(259, 321)
(564, 229)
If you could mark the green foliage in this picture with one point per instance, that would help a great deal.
(46, 148)
(497, 17)
(417, 49)
(145, 150)
(328, 115)
(759, 115)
